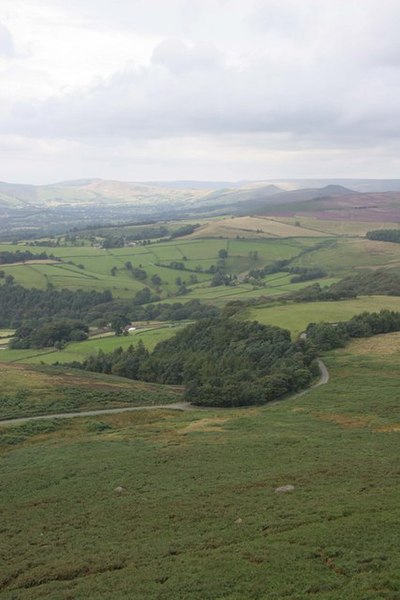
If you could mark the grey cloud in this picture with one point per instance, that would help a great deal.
(272, 75)
(6, 42)
(190, 90)
(177, 56)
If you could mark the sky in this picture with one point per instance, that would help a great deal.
(141, 90)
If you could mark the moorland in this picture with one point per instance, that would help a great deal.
(209, 299)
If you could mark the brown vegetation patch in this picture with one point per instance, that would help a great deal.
(207, 424)
(345, 421)
(381, 345)
(395, 428)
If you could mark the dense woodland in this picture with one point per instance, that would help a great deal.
(384, 235)
(220, 361)
(19, 304)
(54, 333)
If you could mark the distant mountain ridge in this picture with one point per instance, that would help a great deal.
(29, 211)
(241, 197)
(249, 195)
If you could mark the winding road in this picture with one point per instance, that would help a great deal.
(324, 378)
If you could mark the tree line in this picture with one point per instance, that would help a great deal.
(283, 266)
(363, 284)
(56, 333)
(384, 235)
(327, 336)
(7, 257)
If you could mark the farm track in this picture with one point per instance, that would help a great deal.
(324, 378)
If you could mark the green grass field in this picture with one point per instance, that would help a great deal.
(80, 350)
(198, 515)
(348, 254)
(296, 316)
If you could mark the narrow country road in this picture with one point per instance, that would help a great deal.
(324, 373)
(324, 378)
(95, 413)
(177, 406)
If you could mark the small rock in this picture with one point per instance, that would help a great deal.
(284, 488)
(239, 520)
(119, 489)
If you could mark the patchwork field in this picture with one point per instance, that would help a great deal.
(90, 268)
(166, 505)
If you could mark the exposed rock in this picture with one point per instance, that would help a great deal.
(284, 488)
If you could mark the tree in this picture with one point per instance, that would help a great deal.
(156, 280)
(253, 255)
(118, 324)
(222, 253)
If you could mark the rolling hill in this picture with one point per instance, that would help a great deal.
(28, 211)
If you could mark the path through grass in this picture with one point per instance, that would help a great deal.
(165, 505)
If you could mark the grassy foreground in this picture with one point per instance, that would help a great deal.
(198, 515)
(28, 391)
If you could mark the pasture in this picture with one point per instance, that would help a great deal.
(253, 227)
(345, 255)
(296, 316)
(166, 505)
(78, 351)
(334, 225)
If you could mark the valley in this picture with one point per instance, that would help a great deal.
(265, 473)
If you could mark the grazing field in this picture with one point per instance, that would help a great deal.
(27, 391)
(166, 505)
(348, 254)
(334, 226)
(296, 316)
(257, 227)
(80, 350)
(275, 285)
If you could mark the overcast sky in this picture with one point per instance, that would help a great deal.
(199, 89)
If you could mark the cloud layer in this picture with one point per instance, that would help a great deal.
(194, 89)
